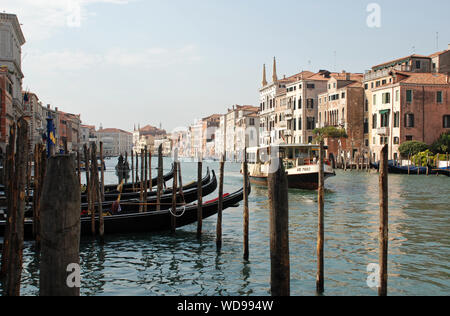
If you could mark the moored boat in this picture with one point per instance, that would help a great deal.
(300, 163)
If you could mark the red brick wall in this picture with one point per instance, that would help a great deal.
(428, 114)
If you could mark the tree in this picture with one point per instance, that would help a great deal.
(442, 145)
(329, 132)
(412, 148)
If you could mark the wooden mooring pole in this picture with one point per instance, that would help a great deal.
(16, 209)
(246, 209)
(145, 178)
(132, 170)
(9, 184)
(199, 198)
(160, 179)
(102, 179)
(384, 222)
(220, 206)
(174, 194)
(279, 228)
(97, 194)
(321, 226)
(60, 229)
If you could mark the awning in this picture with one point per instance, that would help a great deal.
(382, 112)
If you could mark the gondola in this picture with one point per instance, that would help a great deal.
(189, 196)
(129, 186)
(135, 195)
(150, 222)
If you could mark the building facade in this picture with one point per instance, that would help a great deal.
(12, 40)
(116, 142)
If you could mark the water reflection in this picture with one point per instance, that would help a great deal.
(166, 264)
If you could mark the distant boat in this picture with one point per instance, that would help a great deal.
(300, 162)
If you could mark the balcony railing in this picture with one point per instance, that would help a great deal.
(383, 131)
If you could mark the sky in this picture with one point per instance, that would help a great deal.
(124, 62)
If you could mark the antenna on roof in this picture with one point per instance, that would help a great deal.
(437, 40)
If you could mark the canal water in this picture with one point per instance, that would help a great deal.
(166, 264)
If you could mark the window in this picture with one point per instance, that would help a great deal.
(366, 126)
(378, 84)
(371, 85)
(343, 95)
(396, 140)
(366, 108)
(439, 97)
(366, 142)
(374, 121)
(300, 103)
(385, 118)
(409, 120)
(310, 86)
(310, 139)
(418, 64)
(374, 99)
(310, 104)
(446, 121)
(409, 96)
(299, 123)
(252, 122)
(397, 119)
(397, 95)
(383, 82)
(386, 98)
(409, 138)
(295, 125)
(310, 121)
(366, 86)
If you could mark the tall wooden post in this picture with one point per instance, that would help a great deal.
(145, 178)
(199, 198)
(97, 194)
(150, 170)
(87, 159)
(220, 207)
(79, 166)
(17, 211)
(132, 170)
(174, 195)
(384, 222)
(61, 202)
(137, 169)
(9, 185)
(246, 210)
(102, 161)
(36, 184)
(279, 229)
(321, 225)
(141, 207)
(180, 182)
(160, 179)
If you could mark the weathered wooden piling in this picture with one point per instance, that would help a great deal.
(246, 209)
(87, 159)
(321, 225)
(9, 185)
(180, 182)
(79, 166)
(102, 179)
(141, 195)
(60, 229)
(145, 178)
(220, 206)
(160, 179)
(384, 222)
(279, 229)
(150, 170)
(199, 198)
(132, 171)
(16, 211)
(174, 195)
(98, 197)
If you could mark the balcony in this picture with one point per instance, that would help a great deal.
(383, 131)
(288, 133)
(288, 114)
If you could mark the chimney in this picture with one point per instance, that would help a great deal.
(56, 109)
(48, 106)
(448, 48)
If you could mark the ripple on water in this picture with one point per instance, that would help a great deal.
(163, 264)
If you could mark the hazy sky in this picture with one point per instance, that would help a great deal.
(173, 61)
